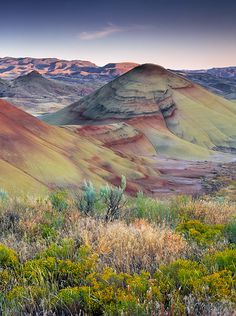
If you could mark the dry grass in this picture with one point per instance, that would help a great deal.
(210, 211)
(130, 248)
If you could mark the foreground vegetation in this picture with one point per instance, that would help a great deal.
(102, 253)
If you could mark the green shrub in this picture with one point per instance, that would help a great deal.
(8, 257)
(5, 280)
(114, 200)
(25, 300)
(58, 200)
(61, 272)
(230, 231)
(221, 260)
(180, 274)
(64, 250)
(76, 301)
(214, 287)
(154, 211)
(3, 195)
(87, 201)
(200, 233)
(47, 231)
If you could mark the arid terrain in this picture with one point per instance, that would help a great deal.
(46, 85)
(146, 121)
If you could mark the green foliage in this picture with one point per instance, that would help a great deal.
(221, 260)
(64, 250)
(58, 200)
(76, 300)
(61, 268)
(154, 211)
(47, 231)
(114, 200)
(3, 195)
(8, 257)
(87, 201)
(111, 198)
(25, 299)
(230, 231)
(5, 279)
(64, 272)
(200, 233)
(180, 274)
(217, 286)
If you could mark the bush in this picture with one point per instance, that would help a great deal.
(5, 280)
(66, 249)
(221, 260)
(230, 231)
(87, 201)
(154, 211)
(3, 195)
(25, 300)
(114, 200)
(58, 200)
(62, 272)
(8, 257)
(47, 231)
(180, 274)
(200, 233)
(75, 301)
(215, 287)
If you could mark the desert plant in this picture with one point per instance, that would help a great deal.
(58, 200)
(114, 200)
(3, 195)
(221, 260)
(8, 257)
(65, 249)
(25, 300)
(87, 201)
(230, 231)
(200, 233)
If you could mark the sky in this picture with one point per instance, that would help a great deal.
(177, 34)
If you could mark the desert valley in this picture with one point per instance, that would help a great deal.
(146, 121)
(93, 163)
(117, 158)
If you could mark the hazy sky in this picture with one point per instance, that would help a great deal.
(173, 33)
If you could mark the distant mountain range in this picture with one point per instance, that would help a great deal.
(224, 72)
(13, 67)
(221, 81)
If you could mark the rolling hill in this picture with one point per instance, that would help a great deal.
(36, 157)
(35, 93)
(163, 107)
(160, 130)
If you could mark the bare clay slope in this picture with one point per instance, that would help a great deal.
(35, 157)
(179, 118)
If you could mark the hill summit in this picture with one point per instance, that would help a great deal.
(165, 107)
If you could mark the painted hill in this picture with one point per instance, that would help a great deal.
(35, 157)
(33, 92)
(137, 125)
(34, 85)
(164, 107)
